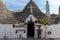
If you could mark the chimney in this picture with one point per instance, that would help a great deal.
(59, 11)
(47, 9)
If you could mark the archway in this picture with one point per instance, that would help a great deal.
(30, 29)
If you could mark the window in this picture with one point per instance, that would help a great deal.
(24, 31)
(13, 25)
(16, 31)
(36, 21)
(49, 32)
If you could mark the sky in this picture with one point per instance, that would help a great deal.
(13, 5)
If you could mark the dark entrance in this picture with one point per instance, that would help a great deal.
(30, 29)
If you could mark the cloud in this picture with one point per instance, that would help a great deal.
(20, 4)
(54, 6)
(15, 4)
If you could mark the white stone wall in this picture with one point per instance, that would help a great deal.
(29, 18)
(21, 27)
(43, 31)
(55, 29)
(10, 32)
(23, 35)
(7, 30)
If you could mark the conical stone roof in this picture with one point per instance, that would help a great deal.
(5, 15)
(27, 11)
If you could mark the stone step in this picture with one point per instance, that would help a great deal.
(36, 39)
(32, 39)
(28, 39)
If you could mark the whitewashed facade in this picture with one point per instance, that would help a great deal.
(30, 17)
(55, 31)
(10, 32)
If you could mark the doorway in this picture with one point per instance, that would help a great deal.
(30, 29)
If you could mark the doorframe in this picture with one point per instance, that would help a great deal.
(27, 31)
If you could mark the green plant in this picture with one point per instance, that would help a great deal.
(43, 22)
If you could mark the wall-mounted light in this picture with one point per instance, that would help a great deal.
(13, 25)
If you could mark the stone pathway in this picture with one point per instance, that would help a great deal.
(32, 39)
(29, 39)
(35, 39)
